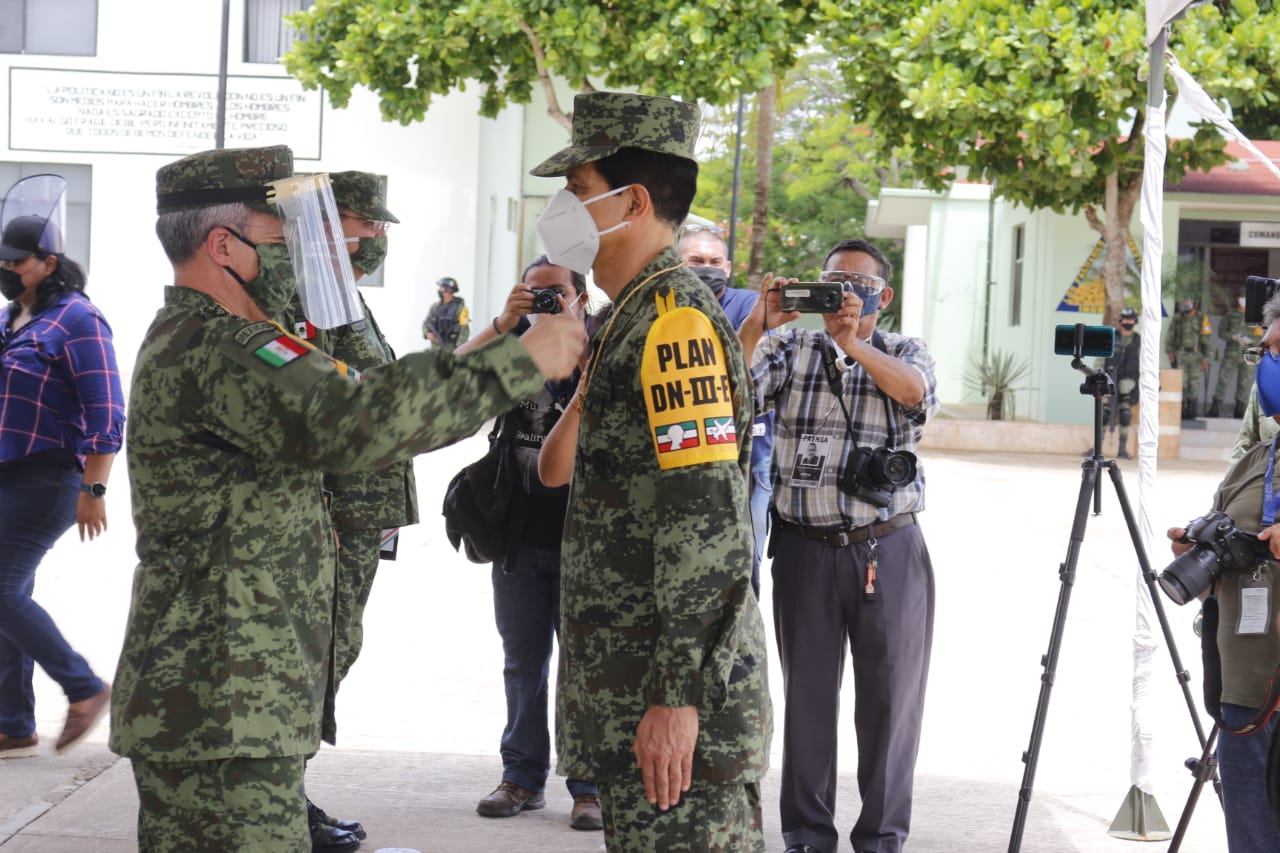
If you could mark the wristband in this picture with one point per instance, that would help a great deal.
(495, 326)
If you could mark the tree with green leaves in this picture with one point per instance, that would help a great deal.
(1044, 98)
(411, 51)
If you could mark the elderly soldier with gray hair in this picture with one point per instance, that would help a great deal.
(662, 695)
(367, 507)
(221, 682)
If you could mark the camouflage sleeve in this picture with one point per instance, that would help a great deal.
(273, 395)
(1249, 434)
(702, 579)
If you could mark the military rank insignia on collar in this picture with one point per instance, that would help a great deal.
(281, 351)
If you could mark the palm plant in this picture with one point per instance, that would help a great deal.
(996, 378)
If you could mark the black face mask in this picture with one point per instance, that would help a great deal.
(11, 286)
(1128, 327)
(713, 277)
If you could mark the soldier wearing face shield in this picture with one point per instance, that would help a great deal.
(850, 564)
(221, 682)
(367, 507)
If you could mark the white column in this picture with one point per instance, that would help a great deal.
(912, 292)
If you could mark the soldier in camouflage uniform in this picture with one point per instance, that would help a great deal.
(1232, 371)
(221, 681)
(1188, 348)
(448, 323)
(367, 507)
(662, 696)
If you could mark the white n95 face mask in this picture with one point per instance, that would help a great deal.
(568, 233)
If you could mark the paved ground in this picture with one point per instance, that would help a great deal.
(421, 714)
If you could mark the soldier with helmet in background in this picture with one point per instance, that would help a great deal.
(1123, 368)
(448, 324)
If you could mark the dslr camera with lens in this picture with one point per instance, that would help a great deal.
(546, 301)
(871, 474)
(812, 297)
(1220, 547)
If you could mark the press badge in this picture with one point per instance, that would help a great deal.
(811, 461)
(1255, 604)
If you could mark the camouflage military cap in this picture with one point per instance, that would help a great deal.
(363, 192)
(603, 122)
(222, 176)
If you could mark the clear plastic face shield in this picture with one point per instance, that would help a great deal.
(36, 208)
(865, 285)
(318, 249)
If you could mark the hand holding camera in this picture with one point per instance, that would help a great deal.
(1207, 547)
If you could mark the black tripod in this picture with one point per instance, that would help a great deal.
(1096, 385)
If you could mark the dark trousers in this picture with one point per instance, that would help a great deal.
(37, 505)
(818, 608)
(526, 607)
(1242, 763)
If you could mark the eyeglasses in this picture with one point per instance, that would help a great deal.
(381, 226)
(695, 227)
(1253, 354)
(864, 282)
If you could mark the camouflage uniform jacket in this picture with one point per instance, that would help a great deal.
(1186, 335)
(656, 600)
(226, 650)
(1235, 333)
(362, 500)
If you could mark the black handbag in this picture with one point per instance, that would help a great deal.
(479, 502)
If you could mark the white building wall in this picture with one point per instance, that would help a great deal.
(443, 173)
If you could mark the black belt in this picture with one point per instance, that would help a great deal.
(852, 536)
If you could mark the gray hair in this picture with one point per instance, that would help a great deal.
(1271, 311)
(182, 231)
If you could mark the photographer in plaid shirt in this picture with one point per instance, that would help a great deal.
(849, 558)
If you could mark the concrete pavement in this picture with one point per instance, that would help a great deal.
(421, 713)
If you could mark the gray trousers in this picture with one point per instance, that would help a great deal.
(818, 606)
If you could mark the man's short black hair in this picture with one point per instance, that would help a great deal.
(886, 268)
(671, 181)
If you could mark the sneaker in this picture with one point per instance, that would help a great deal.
(586, 813)
(18, 747)
(509, 799)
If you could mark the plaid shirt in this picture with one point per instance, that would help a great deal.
(59, 387)
(791, 379)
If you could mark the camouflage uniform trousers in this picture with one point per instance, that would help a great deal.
(710, 818)
(249, 805)
(1233, 372)
(357, 565)
(1192, 375)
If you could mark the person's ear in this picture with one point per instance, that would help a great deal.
(640, 201)
(216, 244)
(886, 296)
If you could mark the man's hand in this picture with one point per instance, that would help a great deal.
(766, 313)
(556, 342)
(664, 751)
(1178, 547)
(1271, 535)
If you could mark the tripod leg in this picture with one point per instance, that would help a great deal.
(1204, 770)
(1066, 576)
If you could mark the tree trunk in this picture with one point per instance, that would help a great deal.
(1121, 202)
(995, 406)
(766, 118)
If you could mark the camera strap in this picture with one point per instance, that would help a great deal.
(835, 380)
(1270, 500)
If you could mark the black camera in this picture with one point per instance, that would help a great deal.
(1258, 290)
(546, 301)
(871, 474)
(1220, 547)
(812, 297)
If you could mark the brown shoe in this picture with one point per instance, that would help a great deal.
(18, 747)
(510, 799)
(586, 813)
(80, 718)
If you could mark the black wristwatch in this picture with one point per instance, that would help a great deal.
(97, 490)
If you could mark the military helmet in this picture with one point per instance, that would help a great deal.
(222, 176)
(362, 192)
(1129, 314)
(604, 122)
(448, 284)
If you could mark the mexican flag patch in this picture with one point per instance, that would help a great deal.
(281, 351)
(677, 436)
(720, 430)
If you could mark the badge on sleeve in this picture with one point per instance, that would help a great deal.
(686, 388)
